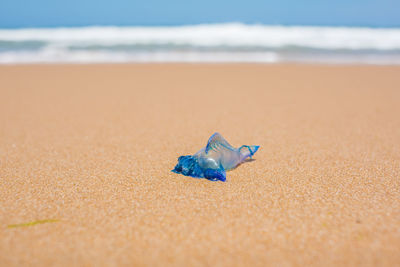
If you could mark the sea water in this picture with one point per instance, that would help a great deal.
(232, 42)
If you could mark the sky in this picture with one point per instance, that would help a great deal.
(69, 13)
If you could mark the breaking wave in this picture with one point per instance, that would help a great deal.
(233, 42)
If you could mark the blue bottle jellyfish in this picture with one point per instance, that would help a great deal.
(212, 161)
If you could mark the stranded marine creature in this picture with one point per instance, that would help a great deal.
(212, 161)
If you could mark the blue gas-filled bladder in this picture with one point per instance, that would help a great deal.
(212, 161)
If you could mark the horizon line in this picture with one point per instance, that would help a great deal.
(200, 24)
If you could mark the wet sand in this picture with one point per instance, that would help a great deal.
(86, 153)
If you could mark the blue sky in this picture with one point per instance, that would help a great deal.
(52, 13)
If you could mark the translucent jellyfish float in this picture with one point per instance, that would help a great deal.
(212, 161)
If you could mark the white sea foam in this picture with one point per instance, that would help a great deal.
(48, 56)
(232, 42)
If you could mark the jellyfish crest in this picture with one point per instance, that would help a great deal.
(216, 142)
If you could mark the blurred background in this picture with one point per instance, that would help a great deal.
(90, 31)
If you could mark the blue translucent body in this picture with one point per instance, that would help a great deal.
(214, 160)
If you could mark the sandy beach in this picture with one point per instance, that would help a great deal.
(86, 153)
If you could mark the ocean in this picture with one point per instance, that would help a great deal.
(231, 42)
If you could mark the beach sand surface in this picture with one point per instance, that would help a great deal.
(90, 148)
